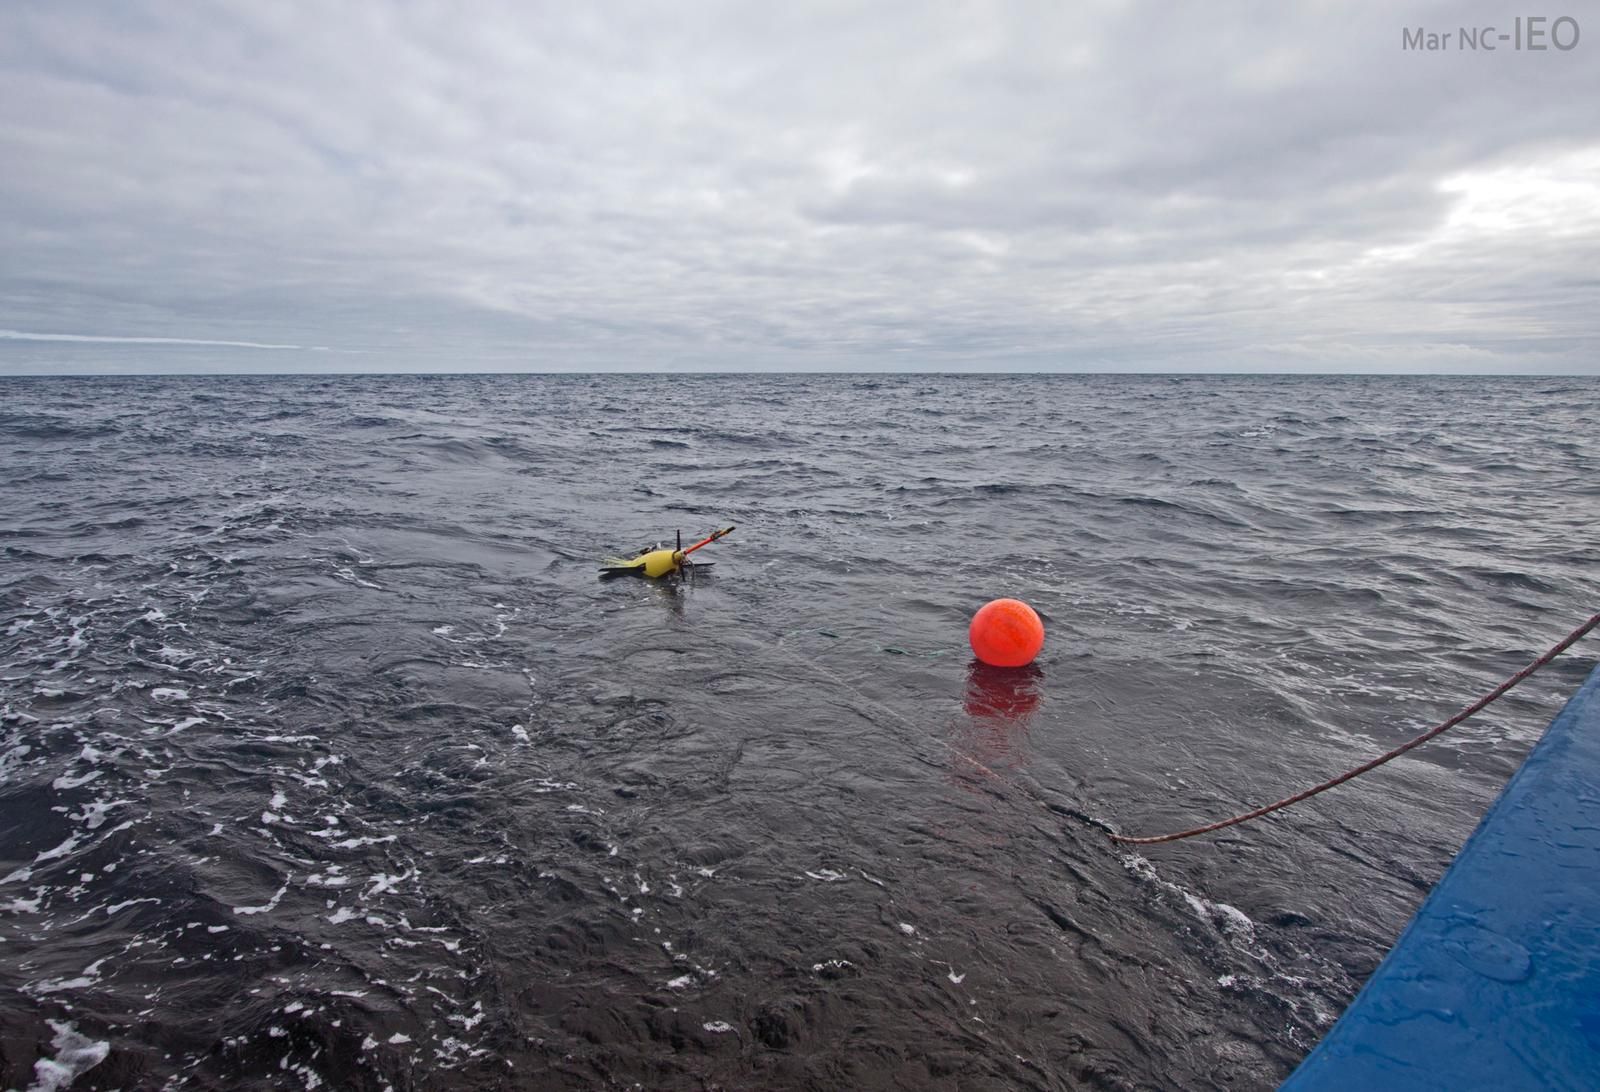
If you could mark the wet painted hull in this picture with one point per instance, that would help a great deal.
(1496, 981)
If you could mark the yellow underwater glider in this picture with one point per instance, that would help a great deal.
(662, 561)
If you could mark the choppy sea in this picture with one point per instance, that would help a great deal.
(326, 761)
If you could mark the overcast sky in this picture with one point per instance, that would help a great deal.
(482, 186)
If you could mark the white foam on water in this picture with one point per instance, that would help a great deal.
(468, 1022)
(76, 1054)
(383, 883)
(1228, 920)
(169, 693)
(357, 843)
(349, 574)
(1234, 920)
(94, 812)
(717, 1027)
(57, 985)
(60, 851)
(119, 907)
(12, 759)
(827, 875)
(64, 782)
(270, 905)
(1231, 922)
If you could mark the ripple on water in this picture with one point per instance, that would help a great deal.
(325, 759)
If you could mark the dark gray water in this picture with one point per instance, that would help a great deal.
(326, 761)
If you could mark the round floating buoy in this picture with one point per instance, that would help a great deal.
(1006, 633)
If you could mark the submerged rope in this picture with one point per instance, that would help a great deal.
(1565, 643)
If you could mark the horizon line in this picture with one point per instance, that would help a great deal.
(804, 372)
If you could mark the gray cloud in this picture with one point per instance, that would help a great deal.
(1173, 187)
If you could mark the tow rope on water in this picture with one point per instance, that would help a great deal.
(1561, 646)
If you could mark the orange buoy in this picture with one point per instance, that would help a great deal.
(1006, 633)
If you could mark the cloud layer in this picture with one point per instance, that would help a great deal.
(964, 185)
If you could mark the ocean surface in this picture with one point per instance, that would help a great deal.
(326, 761)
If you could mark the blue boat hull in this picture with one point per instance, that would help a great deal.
(1495, 984)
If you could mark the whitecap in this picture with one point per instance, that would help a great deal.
(384, 883)
(271, 904)
(76, 1054)
(60, 851)
(64, 782)
(94, 812)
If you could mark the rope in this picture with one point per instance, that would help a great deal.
(1566, 642)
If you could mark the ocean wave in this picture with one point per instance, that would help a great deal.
(325, 750)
